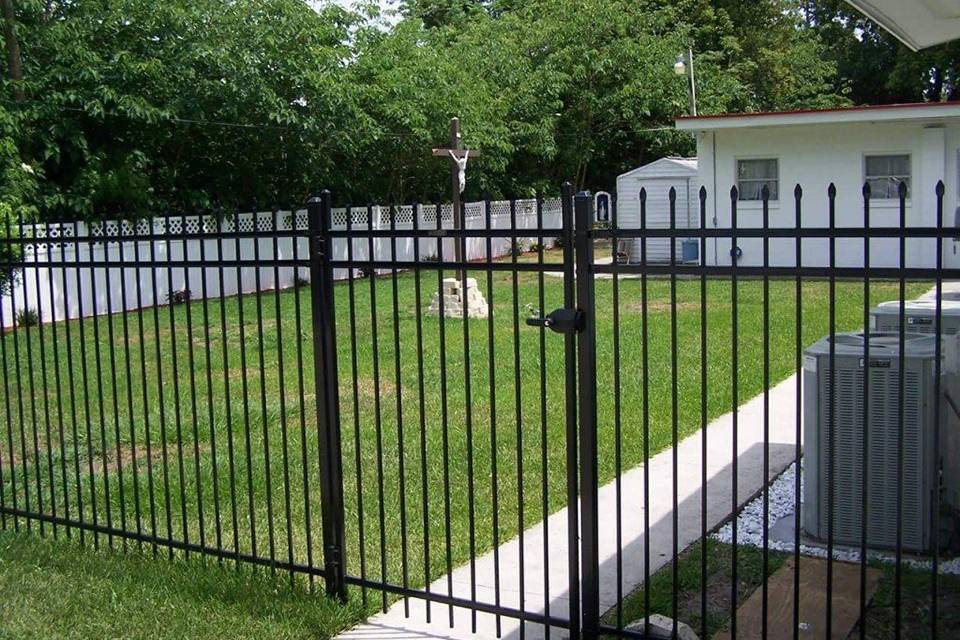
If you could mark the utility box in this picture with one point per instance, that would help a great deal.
(921, 468)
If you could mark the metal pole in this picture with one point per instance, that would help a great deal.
(327, 394)
(587, 369)
(693, 83)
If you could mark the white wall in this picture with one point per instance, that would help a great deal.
(814, 156)
(59, 292)
(658, 212)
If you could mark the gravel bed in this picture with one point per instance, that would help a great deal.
(782, 499)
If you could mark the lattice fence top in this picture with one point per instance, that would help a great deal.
(382, 217)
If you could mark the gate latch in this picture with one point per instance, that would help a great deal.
(560, 321)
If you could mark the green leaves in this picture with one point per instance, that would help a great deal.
(135, 106)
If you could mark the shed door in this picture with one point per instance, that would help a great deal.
(658, 216)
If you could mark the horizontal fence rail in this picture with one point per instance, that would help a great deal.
(576, 425)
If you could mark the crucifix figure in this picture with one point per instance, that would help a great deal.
(458, 180)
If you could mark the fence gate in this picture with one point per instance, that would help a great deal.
(451, 416)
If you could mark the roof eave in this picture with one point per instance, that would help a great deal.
(885, 113)
(916, 25)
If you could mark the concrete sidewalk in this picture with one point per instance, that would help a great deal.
(394, 626)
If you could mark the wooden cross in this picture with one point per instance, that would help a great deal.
(455, 153)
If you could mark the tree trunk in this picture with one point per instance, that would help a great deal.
(14, 62)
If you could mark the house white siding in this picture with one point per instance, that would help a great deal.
(658, 178)
(815, 155)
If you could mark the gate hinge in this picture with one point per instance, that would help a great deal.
(334, 562)
(561, 321)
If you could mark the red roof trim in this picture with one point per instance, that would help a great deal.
(875, 107)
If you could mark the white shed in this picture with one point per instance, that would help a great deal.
(657, 178)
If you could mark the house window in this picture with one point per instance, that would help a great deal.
(885, 173)
(753, 175)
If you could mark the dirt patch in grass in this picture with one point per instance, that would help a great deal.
(367, 388)
(112, 463)
(109, 462)
(664, 306)
(251, 373)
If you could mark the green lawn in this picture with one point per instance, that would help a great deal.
(154, 442)
(61, 590)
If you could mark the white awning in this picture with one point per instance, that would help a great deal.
(916, 23)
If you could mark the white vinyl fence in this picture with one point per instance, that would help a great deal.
(58, 292)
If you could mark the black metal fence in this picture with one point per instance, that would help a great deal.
(417, 433)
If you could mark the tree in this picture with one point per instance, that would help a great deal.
(588, 87)
(14, 62)
(183, 104)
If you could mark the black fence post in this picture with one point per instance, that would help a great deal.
(587, 377)
(570, 370)
(327, 393)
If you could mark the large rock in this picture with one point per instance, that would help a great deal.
(662, 627)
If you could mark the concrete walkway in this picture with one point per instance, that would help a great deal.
(394, 626)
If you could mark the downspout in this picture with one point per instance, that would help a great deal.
(713, 169)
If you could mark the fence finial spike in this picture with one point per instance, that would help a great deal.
(643, 194)
(940, 188)
(734, 192)
(703, 192)
(832, 190)
(867, 189)
(798, 191)
(902, 189)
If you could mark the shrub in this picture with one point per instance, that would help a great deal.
(178, 297)
(516, 248)
(27, 318)
(300, 282)
(558, 242)
(536, 247)
(430, 258)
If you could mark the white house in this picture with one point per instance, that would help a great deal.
(918, 144)
(658, 178)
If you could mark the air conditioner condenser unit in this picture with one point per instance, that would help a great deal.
(921, 471)
(920, 316)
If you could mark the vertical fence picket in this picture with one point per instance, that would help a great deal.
(865, 451)
(937, 369)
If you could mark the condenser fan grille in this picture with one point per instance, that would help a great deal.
(881, 467)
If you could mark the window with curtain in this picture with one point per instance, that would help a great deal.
(885, 173)
(754, 174)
